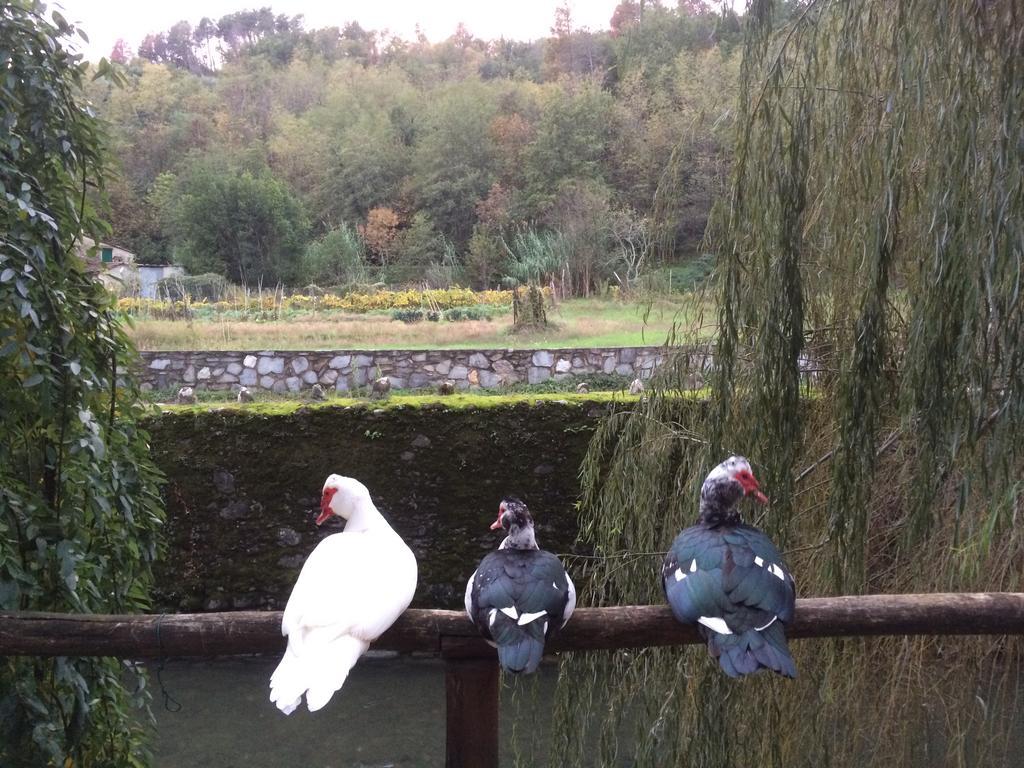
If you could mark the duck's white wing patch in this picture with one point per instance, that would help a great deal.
(469, 596)
(511, 612)
(679, 574)
(570, 606)
(715, 624)
(491, 616)
(693, 566)
(772, 621)
(526, 618)
(777, 572)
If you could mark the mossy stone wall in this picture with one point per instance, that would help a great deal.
(244, 486)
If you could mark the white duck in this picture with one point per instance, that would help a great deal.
(351, 588)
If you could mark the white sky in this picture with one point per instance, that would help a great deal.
(104, 21)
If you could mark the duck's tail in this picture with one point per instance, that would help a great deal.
(746, 652)
(314, 669)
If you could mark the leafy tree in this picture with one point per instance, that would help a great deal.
(570, 144)
(339, 257)
(79, 505)
(379, 233)
(368, 164)
(453, 165)
(416, 248)
(245, 225)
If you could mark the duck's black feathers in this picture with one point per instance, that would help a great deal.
(733, 574)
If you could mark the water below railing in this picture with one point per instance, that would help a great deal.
(391, 712)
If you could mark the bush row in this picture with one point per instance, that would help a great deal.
(435, 300)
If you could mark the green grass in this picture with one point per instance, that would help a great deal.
(458, 401)
(597, 382)
(591, 322)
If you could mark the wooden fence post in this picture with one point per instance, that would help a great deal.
(471, 696)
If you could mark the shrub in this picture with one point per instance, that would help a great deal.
(482, 303)
(407, 315)
(209, 286)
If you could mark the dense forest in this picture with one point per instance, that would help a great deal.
(258, 149)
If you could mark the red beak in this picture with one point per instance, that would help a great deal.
(497, 523)
(751, 486)
(325, 505)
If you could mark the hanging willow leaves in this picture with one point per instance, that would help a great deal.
(868, 360)
(79, 509)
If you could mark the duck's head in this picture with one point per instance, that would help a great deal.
(515, 518)
(723, 488)
(343, 497)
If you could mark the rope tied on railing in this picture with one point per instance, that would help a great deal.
(171, 704)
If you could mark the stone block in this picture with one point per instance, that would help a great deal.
(473, 377)
(477, 360)
(339, 361)
(328, 377)
(542, 358)
(279, 386)
(342, 384)
(443, 367)
(266, 382)
(203, 374)
(359, 377)
(362, 361)
(419, 357)
(563, 366)
(159, 364)
(300, 365)
(249, 361)
(227, 378)
(310, 377)
(218, 371)
(459, 372)
(234, 369)
(248, 377)
(624, 369)
(397, 382)
(294, 383)
(418, 380)
(609, 365)
(189, 376)
(489, 380)
(536, 375)
(503, 366)
(627, 355)
(270, 365)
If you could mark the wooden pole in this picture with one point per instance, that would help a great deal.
(471, 717)
(213, 634)
(471, 671)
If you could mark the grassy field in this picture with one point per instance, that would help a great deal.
(574, 323)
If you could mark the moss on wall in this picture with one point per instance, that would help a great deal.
(244, 486)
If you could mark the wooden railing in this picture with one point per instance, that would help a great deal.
(471, 670)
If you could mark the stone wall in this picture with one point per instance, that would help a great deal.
(243, 489)
(343, 370)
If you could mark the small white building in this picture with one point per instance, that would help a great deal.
(151, 274)
(117, 269)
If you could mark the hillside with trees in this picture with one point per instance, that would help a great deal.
(253, 147)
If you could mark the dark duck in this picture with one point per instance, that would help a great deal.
(520, 595)
(730, 580)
